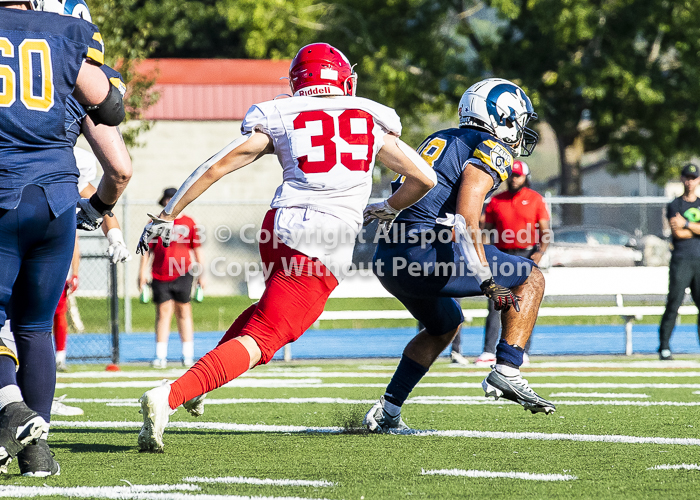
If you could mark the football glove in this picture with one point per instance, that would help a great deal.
(501, 296)
(157, 227)
(117, 250)
(72, 284)
(383, 212)
(87, 217)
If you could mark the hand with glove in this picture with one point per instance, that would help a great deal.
(91, 212)
(157, 227)
(117, 250)
(501, 296)
(72, 284)
(383, 212)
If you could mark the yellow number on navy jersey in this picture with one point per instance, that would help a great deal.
(7, 74)
(37, 98)
(431, 151)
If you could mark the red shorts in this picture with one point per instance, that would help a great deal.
(296, 291)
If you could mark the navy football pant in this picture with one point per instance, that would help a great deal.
(427, 279)
(35, 251)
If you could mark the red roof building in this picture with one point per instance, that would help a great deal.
(212, 89)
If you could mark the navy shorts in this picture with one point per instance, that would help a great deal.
(428, 278)
(35, 251)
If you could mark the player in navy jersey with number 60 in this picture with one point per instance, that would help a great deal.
(327, 141)
(44, 58)
(434, 253)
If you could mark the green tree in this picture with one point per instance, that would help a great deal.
(406, 57)
(619, 73)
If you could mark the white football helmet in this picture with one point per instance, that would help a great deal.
(33, 4)
(74, 8)
(501, 108)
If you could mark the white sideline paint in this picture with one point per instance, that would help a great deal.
(676, 363)
(536, 436)
(239, 382)
(318, 384)
(380, 369)
(481, 372)
(676, 467)
(121, 493)
(137, 492)
(597, 395)
(256, 481)
(491, 474)
(420, 400)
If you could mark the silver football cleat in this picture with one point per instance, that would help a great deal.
(515, 389)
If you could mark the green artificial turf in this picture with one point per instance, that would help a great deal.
(390, 466)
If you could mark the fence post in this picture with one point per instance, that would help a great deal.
(127, 288)
(114, 312)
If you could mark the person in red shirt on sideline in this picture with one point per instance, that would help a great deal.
(517, 222)
(172, 284)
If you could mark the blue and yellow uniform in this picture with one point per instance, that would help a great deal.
(40, 57)
(428, 291)
(76, 113)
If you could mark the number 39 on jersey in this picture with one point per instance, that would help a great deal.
(324, 139)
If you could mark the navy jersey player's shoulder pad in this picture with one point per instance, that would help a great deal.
(81, 32)
(115, 78)
(495, 155)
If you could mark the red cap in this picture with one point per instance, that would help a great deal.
(520, 168)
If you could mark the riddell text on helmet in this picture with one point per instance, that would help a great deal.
(316, 91)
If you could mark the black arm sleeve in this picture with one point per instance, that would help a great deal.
(110, 111)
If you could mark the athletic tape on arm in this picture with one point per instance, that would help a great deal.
(466, 246)
(201, 170)
(417, 160)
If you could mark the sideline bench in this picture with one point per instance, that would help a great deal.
(560, 282)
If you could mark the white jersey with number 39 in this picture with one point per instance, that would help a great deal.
(327, 147)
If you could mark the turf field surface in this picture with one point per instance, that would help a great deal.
(624, 428)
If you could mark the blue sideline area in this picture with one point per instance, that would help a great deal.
(389, 342)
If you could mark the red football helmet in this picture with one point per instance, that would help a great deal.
(321, 69)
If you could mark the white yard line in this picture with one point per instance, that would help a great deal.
(419, 400)
(306, 375)
(676, 467)
(491, 474)
(257, 481)
(110, 493)
(318, 384)
(617, 364)
(536, 436)
(597, 395)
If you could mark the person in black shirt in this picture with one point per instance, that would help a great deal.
(684, 271)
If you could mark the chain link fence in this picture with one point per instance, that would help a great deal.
(91, 308)
(607, 232)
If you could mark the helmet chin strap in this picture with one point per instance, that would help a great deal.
(353, 79)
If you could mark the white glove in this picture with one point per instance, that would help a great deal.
(87, 217)
(157, 227)
(117, 250)
(383, 212)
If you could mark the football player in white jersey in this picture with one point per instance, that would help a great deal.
(327, 141)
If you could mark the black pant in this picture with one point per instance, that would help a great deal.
(492, 330)
(682, 273)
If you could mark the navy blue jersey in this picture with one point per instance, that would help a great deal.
(75, 112)
(448, 153)
(40, 57)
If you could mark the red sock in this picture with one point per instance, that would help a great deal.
(235, 329)
(60, 330)
(219, 366)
